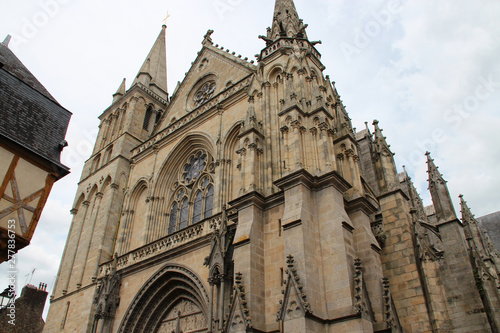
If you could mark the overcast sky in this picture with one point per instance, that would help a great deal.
(429, 71)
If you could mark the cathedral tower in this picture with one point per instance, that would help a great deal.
(97, 210)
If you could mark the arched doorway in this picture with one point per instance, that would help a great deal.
(173, 300)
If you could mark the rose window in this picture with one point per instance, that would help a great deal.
(203, 94)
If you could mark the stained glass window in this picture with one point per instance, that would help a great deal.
(194, 168)
(195, 186)
(204, 183)
(197, 207)
(209, 202)
(184, 214)
(173, 218)
(205, 92)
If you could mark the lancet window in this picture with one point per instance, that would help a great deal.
(193, 193)
(147, 116)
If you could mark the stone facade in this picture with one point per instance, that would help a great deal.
(245, 202)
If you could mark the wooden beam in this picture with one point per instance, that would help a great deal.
(8, 175)
(49, 181)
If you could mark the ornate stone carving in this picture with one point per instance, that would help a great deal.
(107, 299)
(207, 38)
(379, 231)
(390, 316)
(185, 316)
(220, 266)
(143, 313)
(294, 303)
(238, 318)
(359, 304)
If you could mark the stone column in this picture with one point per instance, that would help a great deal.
(249, 249)
(88, 238)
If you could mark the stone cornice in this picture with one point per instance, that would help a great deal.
(363, 204)
(76, 291)
(395, 191)
(457, 221)
(143, 88)
(251, 130)
(316, 183)
(249, 199)
(152, 94)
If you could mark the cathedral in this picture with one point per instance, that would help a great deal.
(246, 202)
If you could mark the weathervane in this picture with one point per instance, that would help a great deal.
(165, 19)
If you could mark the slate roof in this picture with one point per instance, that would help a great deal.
(491, 223)
(29, 115)
(15, 67)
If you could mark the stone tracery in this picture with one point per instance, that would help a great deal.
(193, 193)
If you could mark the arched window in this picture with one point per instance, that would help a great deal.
(172, 223)
(198, 203)
(95, 163)
(147, 116)
(122, 117)
(209, 201)
(184, 214)
(194, 185)
(107, 158)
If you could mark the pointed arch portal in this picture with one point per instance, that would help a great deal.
(173, 300)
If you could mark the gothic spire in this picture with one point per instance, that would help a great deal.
(380, 139)
(439, 192)
(472, 230)
(467, 216)
(286, 22)
(416, 201)
(386, 168)
(120, 92)
(153, 73)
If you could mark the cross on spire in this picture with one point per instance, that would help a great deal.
(165, 19)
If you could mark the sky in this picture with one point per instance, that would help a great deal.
(427, 70)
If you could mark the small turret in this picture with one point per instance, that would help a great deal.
(120, 92)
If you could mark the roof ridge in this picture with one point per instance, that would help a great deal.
(14, 66)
